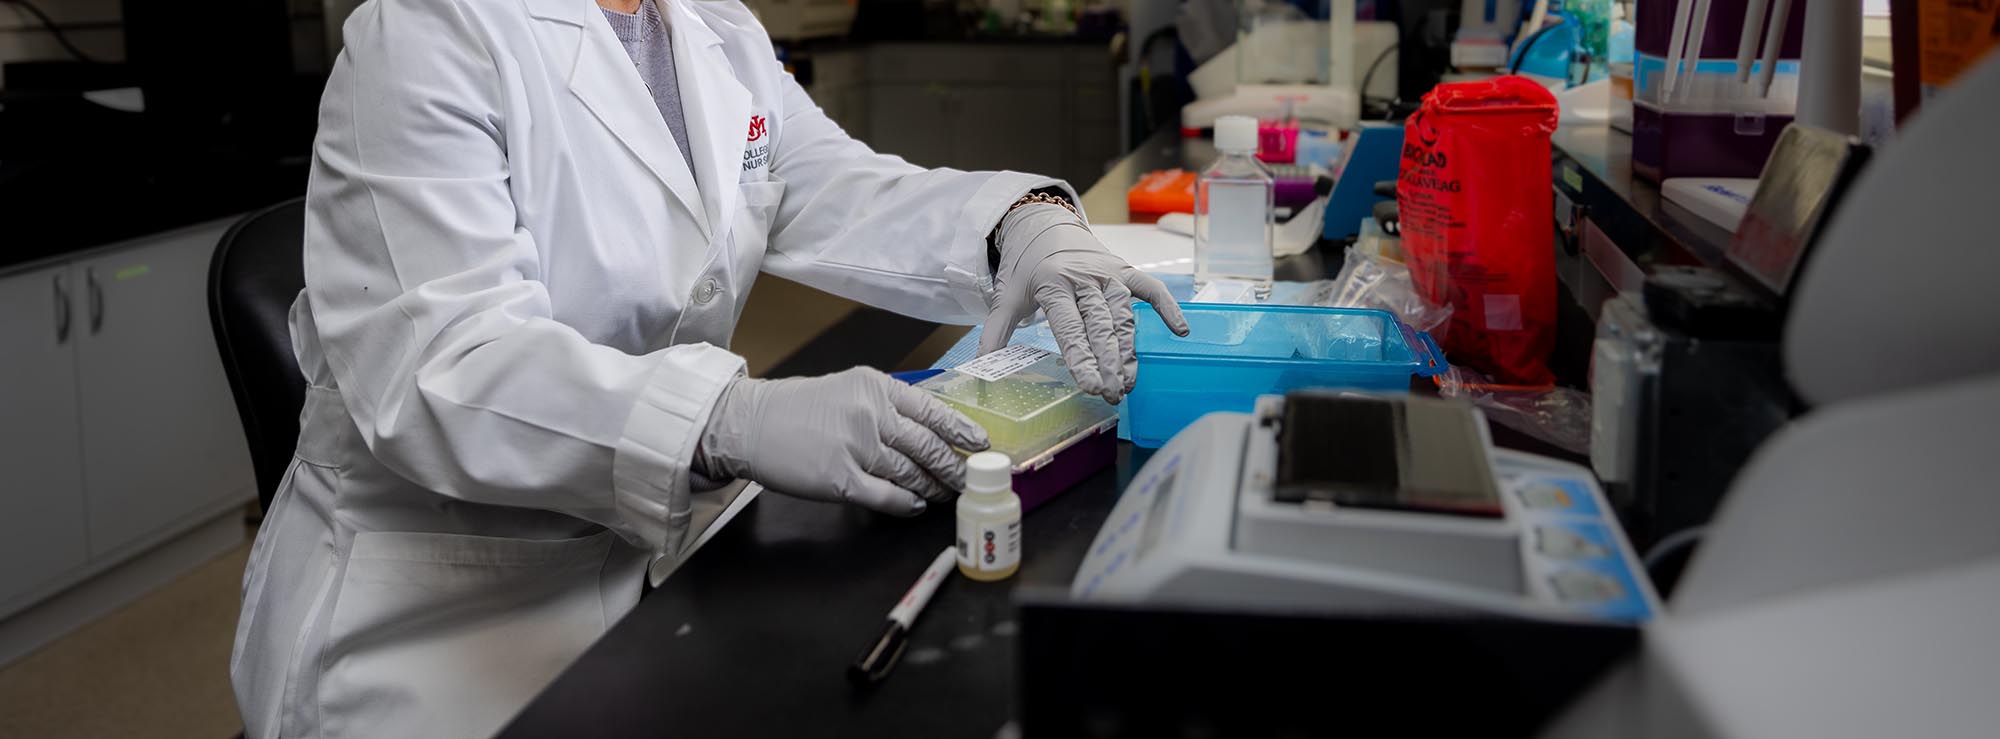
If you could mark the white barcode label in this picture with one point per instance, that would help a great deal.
(1006, 361)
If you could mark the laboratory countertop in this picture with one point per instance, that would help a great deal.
(1593, 168)
(76, 176)
(753, 635)
(1165, 149)
(1104, 201)
(50, 211)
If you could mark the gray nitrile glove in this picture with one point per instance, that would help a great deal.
(857, 436)
(1050, 260)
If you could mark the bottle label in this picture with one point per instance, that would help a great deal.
(988, 546)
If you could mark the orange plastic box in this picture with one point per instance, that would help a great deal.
(1159, 193)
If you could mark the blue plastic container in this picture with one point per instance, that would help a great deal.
(1234, 353)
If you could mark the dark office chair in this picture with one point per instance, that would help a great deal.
(255, 274)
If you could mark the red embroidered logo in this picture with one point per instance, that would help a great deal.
(756, 127)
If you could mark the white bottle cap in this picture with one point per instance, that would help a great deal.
(1236, 133)
(989, 472)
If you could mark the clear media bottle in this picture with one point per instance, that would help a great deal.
(989, 519)
(1232, 211)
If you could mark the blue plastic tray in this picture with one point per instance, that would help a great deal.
(1234, 353)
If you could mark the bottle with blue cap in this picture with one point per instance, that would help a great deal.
(989, 519)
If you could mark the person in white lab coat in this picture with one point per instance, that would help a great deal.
(519, 298)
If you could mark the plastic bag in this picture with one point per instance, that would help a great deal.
(1375, 281)
(1557, 415)
(1475, 202)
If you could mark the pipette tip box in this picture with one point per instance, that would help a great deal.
(1033, 412)
(1235, 353)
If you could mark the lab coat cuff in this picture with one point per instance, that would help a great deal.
(968, 273)
(650, 471)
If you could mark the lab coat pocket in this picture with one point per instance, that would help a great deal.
(762, 194)
(449, 635)
(751, 235)
(758, 214)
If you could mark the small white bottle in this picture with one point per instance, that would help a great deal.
(1233, 204)
(989, 519)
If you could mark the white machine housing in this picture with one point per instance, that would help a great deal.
(1351, 47)
(1199, 525)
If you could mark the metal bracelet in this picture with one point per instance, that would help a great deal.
(1031, 199)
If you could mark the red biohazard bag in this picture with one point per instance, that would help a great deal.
(1475, 205)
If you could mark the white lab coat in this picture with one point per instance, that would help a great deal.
(514, 326)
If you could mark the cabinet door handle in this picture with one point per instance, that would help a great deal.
(62, 310)
(96, 299)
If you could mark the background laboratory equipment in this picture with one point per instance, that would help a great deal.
(1685, 372)
(1278, 137)
(1304, 50)
(1233, 211)
(1278, 41)
(1716, 82)
(1327, 502)
(1372, 155)
(1253, 539)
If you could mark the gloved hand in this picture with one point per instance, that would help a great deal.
(857, 436)
(1049, 259)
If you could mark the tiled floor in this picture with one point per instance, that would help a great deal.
(159, 667)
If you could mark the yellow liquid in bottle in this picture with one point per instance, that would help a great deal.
(988, 575)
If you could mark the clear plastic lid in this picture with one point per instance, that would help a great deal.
(1029, 413)
(1299, 334)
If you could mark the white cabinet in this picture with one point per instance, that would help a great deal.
(117, 430)
(41, 503)
(161, 440)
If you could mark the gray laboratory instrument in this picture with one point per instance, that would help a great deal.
(1328, 502)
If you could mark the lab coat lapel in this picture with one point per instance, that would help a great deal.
(718, 111)
(604, 79)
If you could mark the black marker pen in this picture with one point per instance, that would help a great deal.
(875, 664)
